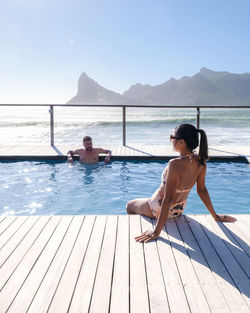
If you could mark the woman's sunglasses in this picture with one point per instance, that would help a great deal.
(172, 137)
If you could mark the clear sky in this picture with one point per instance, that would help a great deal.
(46, 44)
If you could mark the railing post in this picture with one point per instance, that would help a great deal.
(198, 118)
(51, 111)
(124, 125)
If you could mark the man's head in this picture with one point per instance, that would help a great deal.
(87, 142)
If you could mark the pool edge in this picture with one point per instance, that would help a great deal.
(235, 158)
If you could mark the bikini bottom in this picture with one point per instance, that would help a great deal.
(175, 210)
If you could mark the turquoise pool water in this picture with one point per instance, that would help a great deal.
(42, 188)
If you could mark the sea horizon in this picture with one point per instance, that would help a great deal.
(31, 124)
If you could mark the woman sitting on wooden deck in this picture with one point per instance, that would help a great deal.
(178, 178)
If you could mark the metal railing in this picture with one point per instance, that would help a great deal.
(124, 112)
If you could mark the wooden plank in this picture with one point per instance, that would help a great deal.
(232, 295)
(156, 287)
(2, 217)
(120, 286)
(139, 302)
(174, 288)
(242, 258)
(238, 275)
(110, 148)
(196, 299)
(244, 218)
(137, 151)
(118, 151)
(156, 150)
(130, 151)
(81, 300)
(115, 150)
(160, 151)
(133, 150)
(239, 236)
(141, 150)
(68, 281)
(210, 288)
(47, 288)
(44, 150)
(127, 151)
(23, 288)
(102, 288)
(13, 285)
(123, 151)
(8, 267)
(11, 230)
(37, 273)
(6, 223)
(243, 224)
(149, 149)
(16, 239)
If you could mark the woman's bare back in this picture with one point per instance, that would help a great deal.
(189, 171)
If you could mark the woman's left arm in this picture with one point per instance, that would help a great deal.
(172, 182)
(204, 196)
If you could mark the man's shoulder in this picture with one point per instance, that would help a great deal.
(80, 150)
(99, 150)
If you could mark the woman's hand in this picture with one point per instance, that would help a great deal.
(224, 218)
(147, 236)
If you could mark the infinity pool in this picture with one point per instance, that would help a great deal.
(48, 188)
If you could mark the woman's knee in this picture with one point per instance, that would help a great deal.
(129, 207)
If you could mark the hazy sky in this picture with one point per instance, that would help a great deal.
(46, 44)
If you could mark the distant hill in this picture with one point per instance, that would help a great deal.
(204, 88)
(90, 92)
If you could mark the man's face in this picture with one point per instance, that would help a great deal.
(88, 145)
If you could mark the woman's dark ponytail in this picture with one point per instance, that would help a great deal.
(189, 133)
(203, 150)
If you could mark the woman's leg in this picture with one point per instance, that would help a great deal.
(139, 206)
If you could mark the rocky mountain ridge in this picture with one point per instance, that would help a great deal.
(204, 88)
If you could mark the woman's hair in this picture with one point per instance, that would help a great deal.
(189, 133)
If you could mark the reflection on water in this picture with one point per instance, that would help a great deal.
(41, 188)
(88, 172)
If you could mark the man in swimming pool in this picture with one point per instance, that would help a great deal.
(88, 154)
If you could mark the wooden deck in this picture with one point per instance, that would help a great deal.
(93, 264)
(120, 152)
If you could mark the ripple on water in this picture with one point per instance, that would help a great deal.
(39, 188)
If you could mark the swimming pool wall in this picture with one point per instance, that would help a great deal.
(62, 158)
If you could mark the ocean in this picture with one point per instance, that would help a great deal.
(31, 125)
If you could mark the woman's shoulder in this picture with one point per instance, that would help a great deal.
(174, 163)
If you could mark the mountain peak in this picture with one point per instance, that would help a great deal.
(206, 87)
(205, 69)
(90, 92)
(84, 75)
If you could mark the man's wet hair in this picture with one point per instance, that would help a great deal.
(86, 138)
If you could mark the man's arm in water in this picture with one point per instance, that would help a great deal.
(70, 155)
(109, 152)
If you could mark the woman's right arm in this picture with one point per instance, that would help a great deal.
(204, 195)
